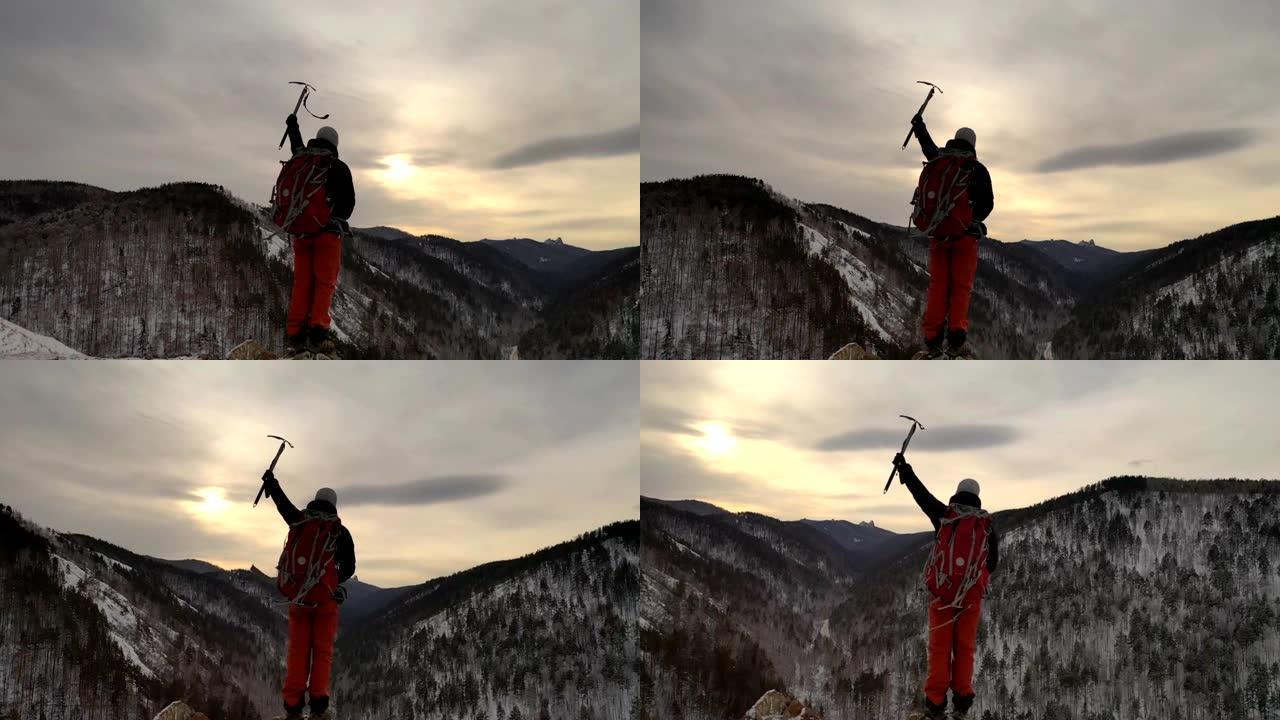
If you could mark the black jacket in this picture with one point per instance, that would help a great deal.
(935, 508)
(339, 188)
(981, 195)
(345, 554)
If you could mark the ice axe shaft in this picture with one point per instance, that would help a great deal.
(272, 467)
(923, 105)
(301, 97)
(894, 472)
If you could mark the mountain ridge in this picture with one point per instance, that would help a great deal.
(136, 633)
(854, 647)
(188, 270)
(735, 269)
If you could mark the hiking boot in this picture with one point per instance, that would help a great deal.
(930, 712)
(290, 714)
(960, 705)
(320, 340)
(956, 347)
(295, 343)
(325, 715)
(929, 353)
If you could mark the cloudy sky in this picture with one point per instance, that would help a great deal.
(466, 118)
(438, 466)
(815, 440)
(1135, 124)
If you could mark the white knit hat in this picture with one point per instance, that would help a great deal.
(328, 133)
(328, 495)
(968, 485)
(964, 133)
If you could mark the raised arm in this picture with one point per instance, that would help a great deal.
(932, 506)
(927, 145)
(287, 510)
(295, 135)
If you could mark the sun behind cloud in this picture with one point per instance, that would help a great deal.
(717, 439)
(398, 170)
(211, 503)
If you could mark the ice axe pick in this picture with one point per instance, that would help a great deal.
(912, 131)
(272, 468)
(914, 424)
(302, 103)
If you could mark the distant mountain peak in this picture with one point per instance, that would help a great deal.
(697, 507)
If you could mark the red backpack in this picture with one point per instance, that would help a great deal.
(307, 572)
(299, 205)
(959, 559)
(942, 207)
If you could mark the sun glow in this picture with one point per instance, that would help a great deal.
(399, 170)
(716, 439)
(212, 502)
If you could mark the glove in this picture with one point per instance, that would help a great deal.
(269, 478)
(340, 595)
(917, 121)
(291, 121)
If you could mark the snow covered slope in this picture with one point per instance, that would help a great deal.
(88, 629)
(1214, 297)
(735, 604)
(19, 343)
(549, 635)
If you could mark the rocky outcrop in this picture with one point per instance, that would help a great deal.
(179, 710)
(775, 705)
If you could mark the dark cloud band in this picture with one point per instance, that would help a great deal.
(616, 142)
(428, 491)
(955, 437)
(1156, 151)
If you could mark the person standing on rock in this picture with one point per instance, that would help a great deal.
(318, 557)
(965, 553)
(323, 197)
(952, 200)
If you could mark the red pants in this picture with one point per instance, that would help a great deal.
(316, 261)
(953, 642)
(952, 266)
(312, 631)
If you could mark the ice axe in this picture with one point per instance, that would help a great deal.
(272, 468)
(914, 424)
(302, 103)
(912, 131)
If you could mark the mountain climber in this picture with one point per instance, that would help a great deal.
(964, 541)
(313, 617)
(953, 220)
(317, 256)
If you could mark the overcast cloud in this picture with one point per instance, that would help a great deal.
(438, 466)
(1026, 431)
(1135, 124)
(468, 119)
